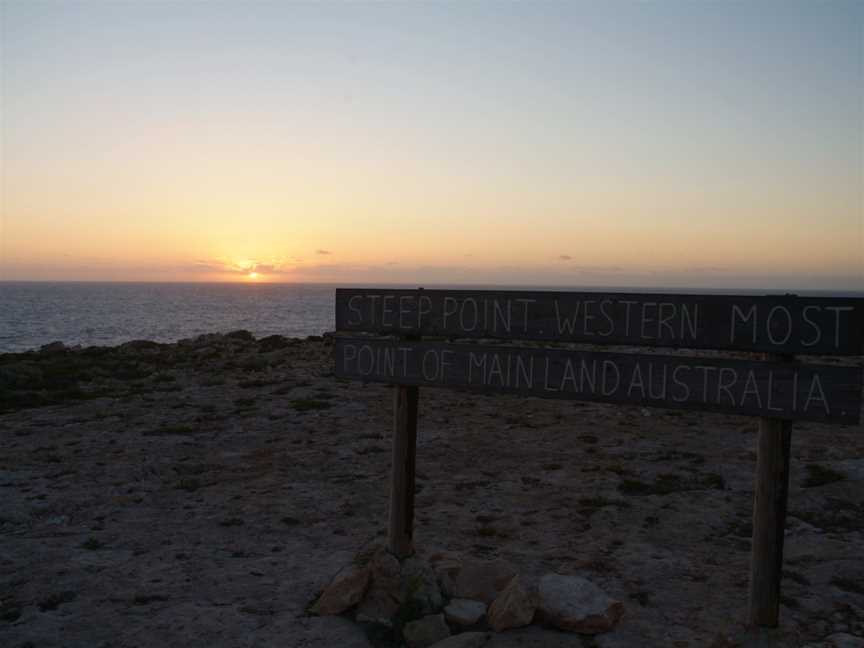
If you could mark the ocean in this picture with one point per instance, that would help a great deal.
(104, 314)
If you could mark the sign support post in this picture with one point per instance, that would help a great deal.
(401, 525)
(769, 517)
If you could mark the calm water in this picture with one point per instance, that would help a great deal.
(33, 314)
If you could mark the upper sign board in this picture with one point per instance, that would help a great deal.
(776, 323)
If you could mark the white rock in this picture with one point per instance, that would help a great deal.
(578, 605)
(464, 612)
(843, 640)
(384, 594)
(513, 608)
(345, 590)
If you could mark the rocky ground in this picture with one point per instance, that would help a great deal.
(203, 493)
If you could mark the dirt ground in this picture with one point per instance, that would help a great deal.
(202, 494)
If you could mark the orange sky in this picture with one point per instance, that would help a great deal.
(616, 145)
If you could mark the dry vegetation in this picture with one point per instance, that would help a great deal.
(202, 493)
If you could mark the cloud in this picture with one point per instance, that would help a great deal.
(612, 269)
(222, 266)
(323, 252)
(269, 268)
(706, 270)
(207, 266)
(590, 269)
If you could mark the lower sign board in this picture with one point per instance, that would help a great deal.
(828, 394)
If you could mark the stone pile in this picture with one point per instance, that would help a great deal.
(444, 601)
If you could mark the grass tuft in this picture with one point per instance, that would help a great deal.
(667, 483)
(818, 475)
(309, 404)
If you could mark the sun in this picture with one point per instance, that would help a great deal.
(253, 275)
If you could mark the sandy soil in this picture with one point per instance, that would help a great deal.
(202, 494)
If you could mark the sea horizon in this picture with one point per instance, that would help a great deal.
(108, 313)
(551, 287)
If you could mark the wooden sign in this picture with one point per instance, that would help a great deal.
(774, 324)
(779, 390)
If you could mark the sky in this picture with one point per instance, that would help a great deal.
(666, 143)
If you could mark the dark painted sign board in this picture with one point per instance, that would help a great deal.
(777, 388)
(827, 394)
(775, 324)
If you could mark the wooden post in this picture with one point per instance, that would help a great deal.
(769, 517)
(400, 533)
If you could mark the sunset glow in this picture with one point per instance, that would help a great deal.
(574, 144)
